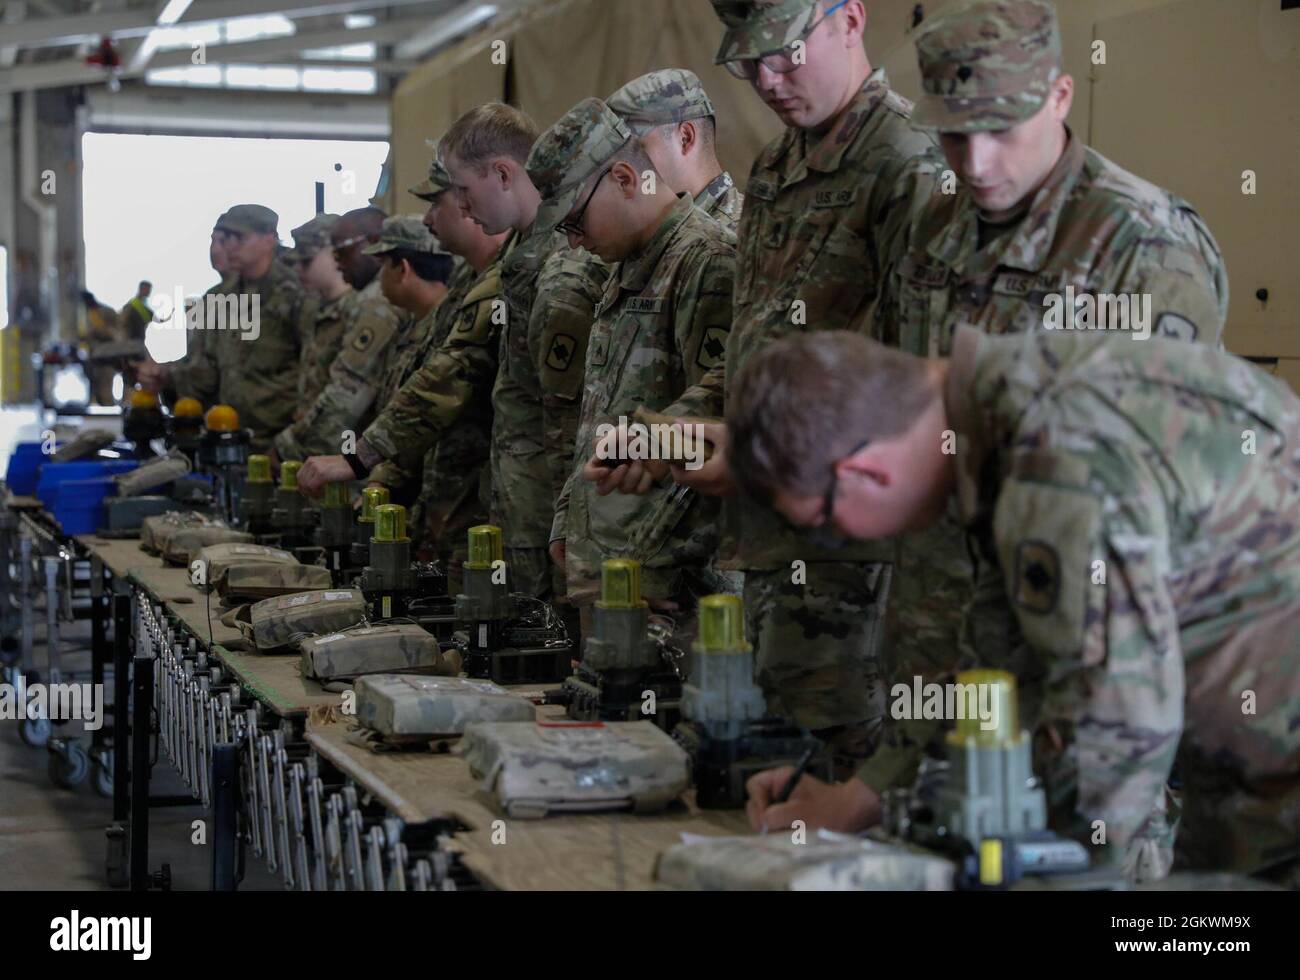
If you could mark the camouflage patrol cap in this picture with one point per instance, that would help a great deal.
(438, 180)
(249, 219)
(407, 232)
(671, 95)
(568, 153)
(311, 238)
(987, 64)
(759, 27)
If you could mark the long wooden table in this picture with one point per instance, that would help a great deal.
(588, 851)
(601, 851)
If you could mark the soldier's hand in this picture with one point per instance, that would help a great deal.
(713, 478)
(558, 553)
(320, 470)
(609, 473)
(151, 375)
(636, 476)
(848, 807)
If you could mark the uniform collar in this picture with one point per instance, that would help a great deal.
(718, 187)
(964, 418)
(828, 152)
(1029, 246)
(527, 253)
(634, 273)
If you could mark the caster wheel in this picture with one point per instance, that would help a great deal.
(104, 776)
(68, 768)
(35, 732)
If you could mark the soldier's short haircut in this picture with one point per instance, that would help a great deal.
(634, 154)
(426, 265)
(808, 400)
(489, 131)
(706, 126)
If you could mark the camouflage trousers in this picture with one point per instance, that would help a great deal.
(817, 640)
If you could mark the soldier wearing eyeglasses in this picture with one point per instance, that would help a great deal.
(820, 206)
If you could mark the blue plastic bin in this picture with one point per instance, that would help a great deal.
(24, 466)
(52, 474)
(79, 504)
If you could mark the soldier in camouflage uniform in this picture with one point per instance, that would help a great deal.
(328, 301)
(671, 114)
(1139, 503)
(660, 326)
(194, 369)
(1020, 229)
(347, 403)
(443, 408)
(247, 365)
(821, 207)
(550, 293)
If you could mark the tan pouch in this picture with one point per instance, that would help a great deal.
(385, 648)
(273, 624)
(217, 559)
(252, 583)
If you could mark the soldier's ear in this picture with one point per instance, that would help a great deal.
(1062, 96)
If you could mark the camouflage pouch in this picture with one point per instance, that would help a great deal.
(218, 559)
(187, 541)
(272, 624)
(251, 583)
(403, 706)
(385, 648)
(537, 768)
(155, 532)
(825, 862)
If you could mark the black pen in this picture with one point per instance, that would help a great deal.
(795, 776)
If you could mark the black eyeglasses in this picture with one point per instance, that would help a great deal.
(823, 533)
(573, 226)
(782, 61)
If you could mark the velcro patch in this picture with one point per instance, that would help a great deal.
(645, 304)
(761, 188)
(834, 199)
(926, 273)
(1013, 284)
(364, 338)
(1038, 577)
(712, 347)
(1175, 327)
(560, 354)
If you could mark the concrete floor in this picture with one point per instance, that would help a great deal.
(53, 838)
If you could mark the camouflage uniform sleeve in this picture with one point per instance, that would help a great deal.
(353, 383)
(195, 375)
(560, 524)
(1085, 573)
(901, 206)
(702, 326)
(568, 291)
(434, 397)
(704, 399)
(1184, 274)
